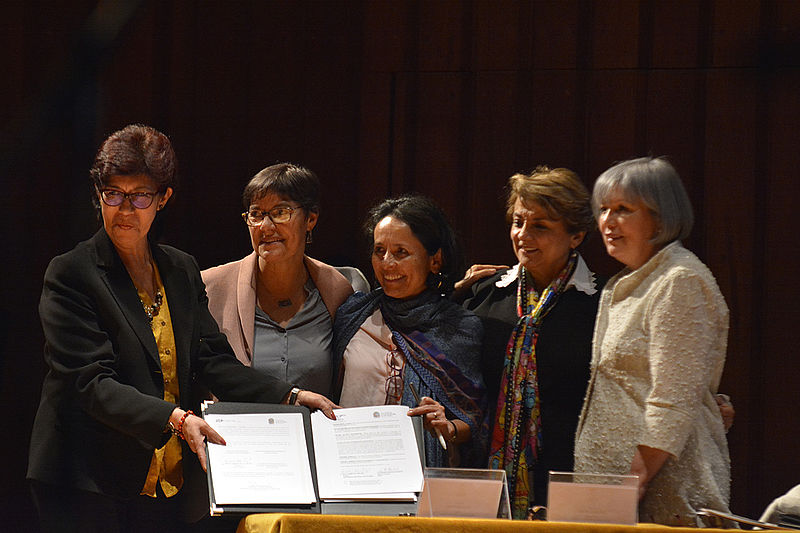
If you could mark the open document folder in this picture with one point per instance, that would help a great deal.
(278, 458)
(367, 453)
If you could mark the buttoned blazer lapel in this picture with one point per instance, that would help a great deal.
(119, 283)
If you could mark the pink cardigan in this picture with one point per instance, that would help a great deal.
(231, 290)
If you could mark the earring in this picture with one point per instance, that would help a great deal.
(436, 280)
(309, 239)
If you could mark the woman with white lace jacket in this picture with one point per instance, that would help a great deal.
(658, 351)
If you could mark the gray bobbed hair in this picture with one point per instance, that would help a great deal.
(654, 182)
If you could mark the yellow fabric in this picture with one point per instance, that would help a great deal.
(314, 523)
(165, 466)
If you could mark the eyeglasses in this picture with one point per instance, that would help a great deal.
(139, 200)
(394, 383)
(278, 215)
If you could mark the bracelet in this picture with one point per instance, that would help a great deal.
(179, 430)
(455, 431)
(293, 395)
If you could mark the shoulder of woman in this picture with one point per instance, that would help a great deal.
(461, 317)
(688, 280)
(222, 272)
(499, 281)
(73, 263)
(487, 288)
(352, 304)
(178, 257)
(685, 267)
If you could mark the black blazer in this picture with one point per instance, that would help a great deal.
(563, 355)
(102, 412)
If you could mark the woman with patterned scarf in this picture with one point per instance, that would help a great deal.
(406, 334)
(538, 319)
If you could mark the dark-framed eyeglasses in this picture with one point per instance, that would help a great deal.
(394, 382)
(139, 200)
(278, 215)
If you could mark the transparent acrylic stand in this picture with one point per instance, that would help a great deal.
(464, 493)
(593, 498)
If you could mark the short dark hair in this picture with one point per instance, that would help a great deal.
(429, 224)
(294, 182)
(135, 149)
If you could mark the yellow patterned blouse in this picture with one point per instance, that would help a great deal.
(165, 467)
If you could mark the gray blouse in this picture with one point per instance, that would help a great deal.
(300, 353)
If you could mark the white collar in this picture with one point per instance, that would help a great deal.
(582, 279)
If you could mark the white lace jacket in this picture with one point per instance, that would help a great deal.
(657, 357)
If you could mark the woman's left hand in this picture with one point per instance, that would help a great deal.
(433, 417)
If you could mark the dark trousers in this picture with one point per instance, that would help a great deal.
(69, 510)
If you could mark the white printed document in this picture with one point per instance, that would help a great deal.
(265, 460)
(366, 453)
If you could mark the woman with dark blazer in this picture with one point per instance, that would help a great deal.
(130, 348)
(538, 318)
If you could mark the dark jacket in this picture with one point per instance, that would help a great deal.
(102, 412)
(563, 354)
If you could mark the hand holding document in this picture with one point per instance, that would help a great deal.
(366, 452)
(417, 399)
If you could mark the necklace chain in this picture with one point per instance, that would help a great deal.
(152, 310)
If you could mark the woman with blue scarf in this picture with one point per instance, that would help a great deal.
(407, 335)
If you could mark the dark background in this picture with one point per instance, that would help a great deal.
(441, 97)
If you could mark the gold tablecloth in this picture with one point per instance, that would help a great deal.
(316, 523)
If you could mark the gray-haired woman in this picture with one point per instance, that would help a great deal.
(658, 351)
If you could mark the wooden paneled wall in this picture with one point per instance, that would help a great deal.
(443, 97)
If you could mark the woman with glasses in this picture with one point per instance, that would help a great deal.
(116, 445)
(406, 339)
(277, 304)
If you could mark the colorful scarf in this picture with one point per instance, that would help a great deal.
(517, 430)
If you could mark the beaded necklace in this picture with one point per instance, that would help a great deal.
(152, 310)
(517, 435)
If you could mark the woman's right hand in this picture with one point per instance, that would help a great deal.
(195, 432)
(476, 273)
